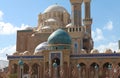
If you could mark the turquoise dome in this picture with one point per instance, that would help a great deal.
(59, 37)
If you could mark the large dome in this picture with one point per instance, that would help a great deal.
(59, 37)
(55, 7)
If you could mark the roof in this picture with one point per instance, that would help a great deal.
(55, 7)
(59, 37)
(41, 46)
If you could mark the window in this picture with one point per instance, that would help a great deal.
(76, 47)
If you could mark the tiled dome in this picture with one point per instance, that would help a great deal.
(59, 37)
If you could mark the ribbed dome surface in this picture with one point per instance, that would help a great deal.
(55, 7)
(41, 46)
(59, 37)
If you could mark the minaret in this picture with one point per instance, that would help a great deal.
(87, 18)
(76, 12)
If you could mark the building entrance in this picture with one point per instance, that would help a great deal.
(56, 60)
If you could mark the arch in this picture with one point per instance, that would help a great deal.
(118, 71)
(26, 69)
(94, 67)
(35, 70)
(118, 64)
(82, 70)
(94, 64)
(15, 68)
(107, 67)
(107, 64)
(82, 64)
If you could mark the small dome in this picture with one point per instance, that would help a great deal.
(16, 53)
(83, 51)
(94, 51)
(41, 47)
(46, 27)
(55, 7)
(21, 54)
(59, 37)
(28, 28)
(108, 51)
(26, 53)
(69, 25)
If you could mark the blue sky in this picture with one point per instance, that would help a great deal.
(18, 14)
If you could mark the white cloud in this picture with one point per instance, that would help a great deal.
(7, 50)
(112, 45)
(97, 35)
(109, 26)
(1, 15)
(8, 28)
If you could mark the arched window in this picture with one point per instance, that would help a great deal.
(75, 47)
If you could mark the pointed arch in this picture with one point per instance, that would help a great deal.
(26, 69)
(118, 70)
(107, 69)
(35, 70)
(94, 67)
(82, 70)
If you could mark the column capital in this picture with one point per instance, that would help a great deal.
(76, 1)
(86, 1)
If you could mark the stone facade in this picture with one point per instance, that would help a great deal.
(60, 47)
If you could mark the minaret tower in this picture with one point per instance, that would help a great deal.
(84, 40)
(87, 21)
(76, 12)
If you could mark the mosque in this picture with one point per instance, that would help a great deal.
(61, 46)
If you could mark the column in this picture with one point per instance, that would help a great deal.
(21, 64)
(96, 71)
(110, 70)
(79, 70)
(55, 67)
